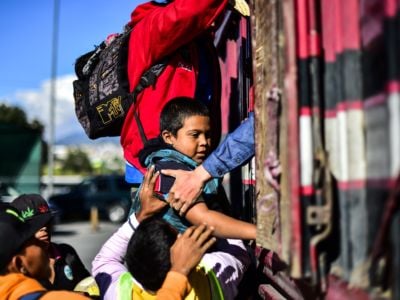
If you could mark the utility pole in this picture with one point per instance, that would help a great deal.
(56, 13)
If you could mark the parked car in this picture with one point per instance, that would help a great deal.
(109, 193)
(7, 192)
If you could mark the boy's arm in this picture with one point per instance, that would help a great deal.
(175, 287)
(224, 226)
(108, 264)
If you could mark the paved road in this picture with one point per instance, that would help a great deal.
(86, 241)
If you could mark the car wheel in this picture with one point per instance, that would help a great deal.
(117, 213)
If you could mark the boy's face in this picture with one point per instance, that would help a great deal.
(193, 139)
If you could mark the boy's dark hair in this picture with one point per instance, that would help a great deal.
(148, 253)
(177, 110)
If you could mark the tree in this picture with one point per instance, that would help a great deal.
(16, 116)
(77, 162)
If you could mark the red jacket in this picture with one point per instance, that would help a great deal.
(159, 31)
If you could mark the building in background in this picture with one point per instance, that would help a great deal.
(20, 152)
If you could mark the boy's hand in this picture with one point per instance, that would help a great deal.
(150, 204)
(190, 247)
(187, 187)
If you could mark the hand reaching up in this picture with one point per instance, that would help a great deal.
(190, 247)
(150, 204)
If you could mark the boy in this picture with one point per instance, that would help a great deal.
(23, 259)
(67, 269)
(183, 144)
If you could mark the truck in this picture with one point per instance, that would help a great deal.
(332, 231)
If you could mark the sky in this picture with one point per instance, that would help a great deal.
(26, 31)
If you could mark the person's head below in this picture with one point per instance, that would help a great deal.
(20, 251)
(148, 252)
(185, 125)
(33, 209)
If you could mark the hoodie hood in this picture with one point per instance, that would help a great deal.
(15, 285)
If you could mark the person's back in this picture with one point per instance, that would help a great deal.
(228, 260)
(148, 260)
(184, 143)
(177, 32)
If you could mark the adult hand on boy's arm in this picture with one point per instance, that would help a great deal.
(190, 247)
(150, 204)
(187, 187)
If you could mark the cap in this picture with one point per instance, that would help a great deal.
(14, 232)
(32, 207)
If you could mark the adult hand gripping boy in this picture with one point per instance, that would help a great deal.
(237, 148)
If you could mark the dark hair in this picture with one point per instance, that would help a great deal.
(177, 110)
(148, 252)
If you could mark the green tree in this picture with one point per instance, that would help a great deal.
(77, 162)
(16, 116)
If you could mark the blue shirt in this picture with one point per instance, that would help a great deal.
(235, 150)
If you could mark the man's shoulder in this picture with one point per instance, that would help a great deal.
(171, 164)
(64, 249)
(164, 182)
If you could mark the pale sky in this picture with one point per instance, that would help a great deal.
(26, 30)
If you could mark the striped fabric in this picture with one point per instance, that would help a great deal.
(342, 98)
(348, 68)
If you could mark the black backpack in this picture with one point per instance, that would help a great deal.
(101, 92)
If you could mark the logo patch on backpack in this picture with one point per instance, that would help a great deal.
(110, 110)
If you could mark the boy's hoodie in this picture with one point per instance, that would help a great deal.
(15, 285)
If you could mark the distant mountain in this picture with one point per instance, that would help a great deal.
(80, 138)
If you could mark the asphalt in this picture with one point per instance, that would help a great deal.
(86, 238)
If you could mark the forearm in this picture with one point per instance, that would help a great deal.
(108, 264)
(224, 226)
(175, 286)
(235, 150)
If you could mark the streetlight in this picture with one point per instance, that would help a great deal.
(50, 157)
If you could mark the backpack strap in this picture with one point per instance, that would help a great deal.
(33, 296)
(148, 79)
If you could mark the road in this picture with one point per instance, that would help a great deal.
(81, 235)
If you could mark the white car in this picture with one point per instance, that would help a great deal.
(8, 193)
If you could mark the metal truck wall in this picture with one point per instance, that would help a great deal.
(20, 161)
(334, 223)
(233, 44)
(347, 93)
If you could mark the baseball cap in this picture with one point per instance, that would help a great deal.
(33, 208)
(14, 232)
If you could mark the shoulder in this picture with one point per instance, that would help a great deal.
(64, 248)
(171, 164)
(165, 182)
